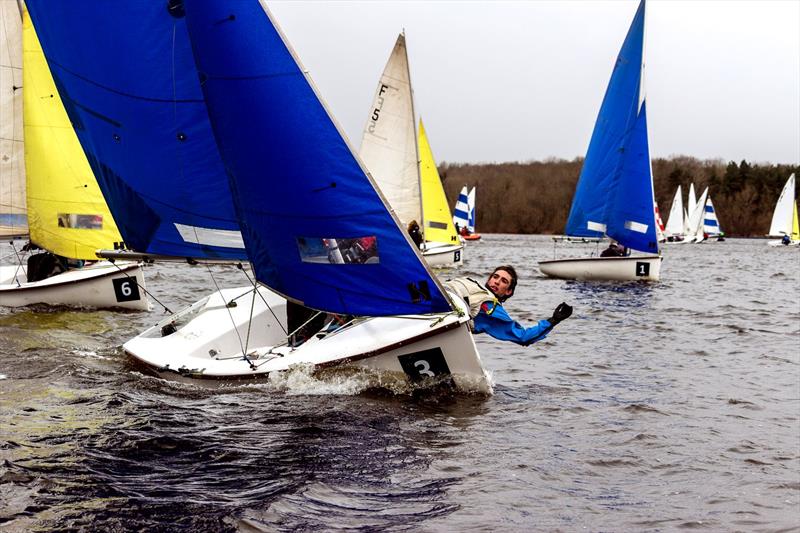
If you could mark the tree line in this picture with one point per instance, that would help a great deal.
(535, 196)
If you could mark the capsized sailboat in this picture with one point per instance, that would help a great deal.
(784, 217)
(314, 225)
(614, 196)
(66, 213)
(392, 152)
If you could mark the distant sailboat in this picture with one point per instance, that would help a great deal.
(784, 217)
(66, 213)
(659, 225)
(461, 211)
(674, 230)
(470, 233)
(464, 215)
(614, 196)
(304, 203)
(439, 231)
(389, 149)
(711, 227)
(695, 229)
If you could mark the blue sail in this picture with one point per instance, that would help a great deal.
(126, 75)
(630, 211)
(617, 117)
(315, 227)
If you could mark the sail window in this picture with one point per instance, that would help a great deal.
(69, 220)
(341, 251)
(437, 225)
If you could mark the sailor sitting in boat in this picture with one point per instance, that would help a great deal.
(488, 314)
(614, 250)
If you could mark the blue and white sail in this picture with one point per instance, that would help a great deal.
(461, 211)
(710, 222)
(315, 226)
(126, 76)
(614, 195)
(471, 205)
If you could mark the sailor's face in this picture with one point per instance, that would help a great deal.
(500, 283)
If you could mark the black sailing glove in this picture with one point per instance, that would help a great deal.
(562, 312)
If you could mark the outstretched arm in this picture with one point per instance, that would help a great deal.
(499, 325)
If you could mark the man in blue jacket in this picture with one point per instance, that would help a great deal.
(488, 314)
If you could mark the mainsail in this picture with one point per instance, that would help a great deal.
(675, 222)
(695, 232)
(710, 222)
(67, 214)
(389, 142)
(438, 222)
(471, 206)
(614, 195)
(315, 226)
(784, 209)
(461, 211)
(126, 76)
(13, 220)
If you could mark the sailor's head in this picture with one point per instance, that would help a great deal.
(502, 282)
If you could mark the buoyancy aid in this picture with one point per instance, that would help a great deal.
(473, 293)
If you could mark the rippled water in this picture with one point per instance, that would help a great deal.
(673, 405)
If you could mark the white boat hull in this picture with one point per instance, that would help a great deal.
(443, 255)
(202, 342)
(779, 243)
(630, 268)
(100, 285)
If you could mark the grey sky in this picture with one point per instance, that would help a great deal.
(515, 81)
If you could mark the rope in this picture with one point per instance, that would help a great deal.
(228, 307)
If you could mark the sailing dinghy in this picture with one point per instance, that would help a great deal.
(401, 162)
(784, 217)
(314, 225)
(614, 196)
(53, 195)
(675, 223)
(711, 227)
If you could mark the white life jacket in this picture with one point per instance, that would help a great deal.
(472, 292)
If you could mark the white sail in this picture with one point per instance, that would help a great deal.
(461, 211)
(13, 220)
(784, 211)
(695, 232)
(389, 142)
(711, 225)
(691, 201)
(471, 205)
(675, 221)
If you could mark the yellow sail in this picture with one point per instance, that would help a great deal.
(67, 214)
(795, 226)
(436, 214)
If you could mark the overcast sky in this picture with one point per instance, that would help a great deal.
(519, 81)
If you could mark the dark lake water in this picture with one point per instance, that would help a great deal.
(657, 407)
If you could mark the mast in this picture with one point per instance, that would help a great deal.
(416, 143)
